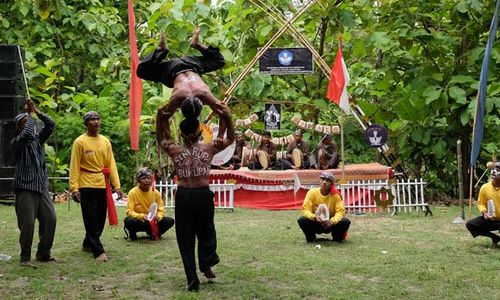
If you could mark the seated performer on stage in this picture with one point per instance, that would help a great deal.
(235, 161)
(183, 75)
(194, 201)
(314, 221)
(297, 153)
(265, 156)
(488, 204)
(140, 200)
(326, 155)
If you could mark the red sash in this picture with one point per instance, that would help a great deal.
(112, 215)
(154, 229)
(333, 190)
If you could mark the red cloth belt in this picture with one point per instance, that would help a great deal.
(112, 215)
(154, 229)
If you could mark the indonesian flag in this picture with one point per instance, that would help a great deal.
(339, 79)
(135, 91)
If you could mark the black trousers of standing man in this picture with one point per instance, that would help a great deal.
(30, 206)
(194, 218)
(94, 208)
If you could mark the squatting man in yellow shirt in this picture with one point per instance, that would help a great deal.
(324, 212)
(488, 204)
(92, 162)
(140, 200)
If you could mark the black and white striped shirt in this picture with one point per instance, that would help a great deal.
(31, 172)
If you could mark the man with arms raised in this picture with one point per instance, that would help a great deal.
(194, 201)
(31, 186)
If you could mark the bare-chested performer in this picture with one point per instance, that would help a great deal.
(194, 202)
(183, 75)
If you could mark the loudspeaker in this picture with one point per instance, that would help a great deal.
(7, 133)
(11, 75)
(12, 101)
(6, 183)
(10, 106)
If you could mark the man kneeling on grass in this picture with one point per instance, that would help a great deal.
(145, 209)
(488, 204)
(323, 211)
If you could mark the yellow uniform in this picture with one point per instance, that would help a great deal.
(314, 198)
(89, 156)
(138, 203)
(487, 192)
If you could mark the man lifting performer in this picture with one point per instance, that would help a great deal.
(194, 201)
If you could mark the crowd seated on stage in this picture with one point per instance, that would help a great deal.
(297, 156)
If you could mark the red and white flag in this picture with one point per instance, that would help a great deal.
(135, 92)
(339, 79)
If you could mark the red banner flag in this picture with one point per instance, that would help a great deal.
(339, 79)
(135, 91)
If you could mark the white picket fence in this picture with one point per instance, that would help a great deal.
(359, 196)
(407, 196)
(223, 198)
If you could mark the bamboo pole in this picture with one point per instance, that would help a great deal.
(460, 179)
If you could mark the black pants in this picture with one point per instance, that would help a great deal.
(483, 227)
(29, 207)
(311, 228)
(154, 69)
(134, 225)
(194, 217)
(93, 203)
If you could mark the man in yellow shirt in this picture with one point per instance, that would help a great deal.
(313, 221)
(140, 199)
(490, 212)
(92, 162)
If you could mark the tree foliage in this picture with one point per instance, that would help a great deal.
(414, 68)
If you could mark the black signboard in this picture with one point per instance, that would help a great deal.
(272, 116)
(283, 61)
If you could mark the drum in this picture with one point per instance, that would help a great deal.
(263, 157)
(245, 156)
(224, 156)
(322, 159)
(297, 158)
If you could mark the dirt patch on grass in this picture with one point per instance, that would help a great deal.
(361, 278)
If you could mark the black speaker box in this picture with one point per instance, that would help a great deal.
(7, 132)
(10, 106)
(11, 87)
(6, 182)
(10, 53)
(11, 70)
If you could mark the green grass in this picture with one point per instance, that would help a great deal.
(264, 256)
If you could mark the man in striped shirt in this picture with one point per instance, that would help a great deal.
(31, 185)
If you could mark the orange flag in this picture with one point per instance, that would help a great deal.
(135, 91)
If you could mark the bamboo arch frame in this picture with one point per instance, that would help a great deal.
(356, 111)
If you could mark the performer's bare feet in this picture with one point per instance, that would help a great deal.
(195, 39)
(163, 43)
(102, 258)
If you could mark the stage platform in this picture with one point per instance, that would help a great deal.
(272, 189)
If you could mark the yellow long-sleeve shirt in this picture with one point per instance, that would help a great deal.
(138, 203)
(314, 198)
(92, 154)
(487, 192)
